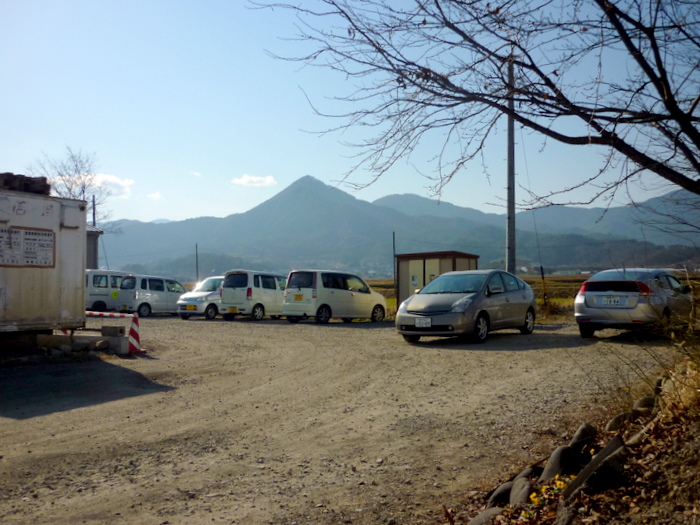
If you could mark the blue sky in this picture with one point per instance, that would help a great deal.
(189, 116)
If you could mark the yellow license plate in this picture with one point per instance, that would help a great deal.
(233, 310)
(191, 307)
(299, 297)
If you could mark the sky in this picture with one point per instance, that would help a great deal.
(189, 115)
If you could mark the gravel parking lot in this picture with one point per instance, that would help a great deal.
(272, 422)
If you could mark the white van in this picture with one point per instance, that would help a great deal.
(102, 289)
(204, 300)
(324, 294)
(147, 294)
(253, 293)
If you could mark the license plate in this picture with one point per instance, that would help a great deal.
(191, 307)
(423, 322)
(299, 297)
(611, 300)
(233, 309)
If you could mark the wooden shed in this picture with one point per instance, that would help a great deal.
(415, 270)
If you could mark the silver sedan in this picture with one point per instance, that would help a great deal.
(629, 298)
(468, 303)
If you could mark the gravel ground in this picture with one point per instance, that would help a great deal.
(272, 422)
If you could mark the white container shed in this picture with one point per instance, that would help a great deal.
(415, 270)
(42, 262)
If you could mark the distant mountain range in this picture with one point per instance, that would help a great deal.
(310, 224)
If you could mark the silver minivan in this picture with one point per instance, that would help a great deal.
(147, 294)
(252, 293)
(324, 294)
(204, 299)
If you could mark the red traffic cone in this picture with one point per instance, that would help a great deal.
(134, 341)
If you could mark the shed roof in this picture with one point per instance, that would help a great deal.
(436, 255)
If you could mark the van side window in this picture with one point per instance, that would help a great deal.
(256, 281)
(355, 284)
(334, 280)
(268, 282)
(144, 284)
(99, 281)
(116, 280)
(174, 286)
(281, 282)
(156, 285)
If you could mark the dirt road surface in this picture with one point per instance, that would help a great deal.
(272, 422)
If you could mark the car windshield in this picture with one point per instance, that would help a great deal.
(208, 285)
(455, 284)
(621, 275)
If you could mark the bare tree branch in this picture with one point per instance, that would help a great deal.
(621, 75)
(74, 177)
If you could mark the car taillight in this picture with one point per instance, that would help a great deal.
(314, 293)
(249, 294)
(583, 289)
(644, 289)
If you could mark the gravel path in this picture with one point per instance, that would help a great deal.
(272, 422)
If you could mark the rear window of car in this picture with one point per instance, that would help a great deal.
(236, 280)
(301, 280)
(612, 286)
(620, 275)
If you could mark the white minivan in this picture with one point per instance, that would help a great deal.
(102, 289)
(252, 293)
(324, 294)
(147, 294)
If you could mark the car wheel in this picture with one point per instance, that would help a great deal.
(347, 319)
(323, 314)
(481, 329)
(586, 330)
(184, 316)
(292, 319)
(211, 311)
(258, 312)
(411, 338)
(529, 324)
(377, 315)
(144, 310)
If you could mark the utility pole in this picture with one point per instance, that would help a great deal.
(510, 214)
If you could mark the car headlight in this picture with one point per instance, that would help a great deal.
(461, 306)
